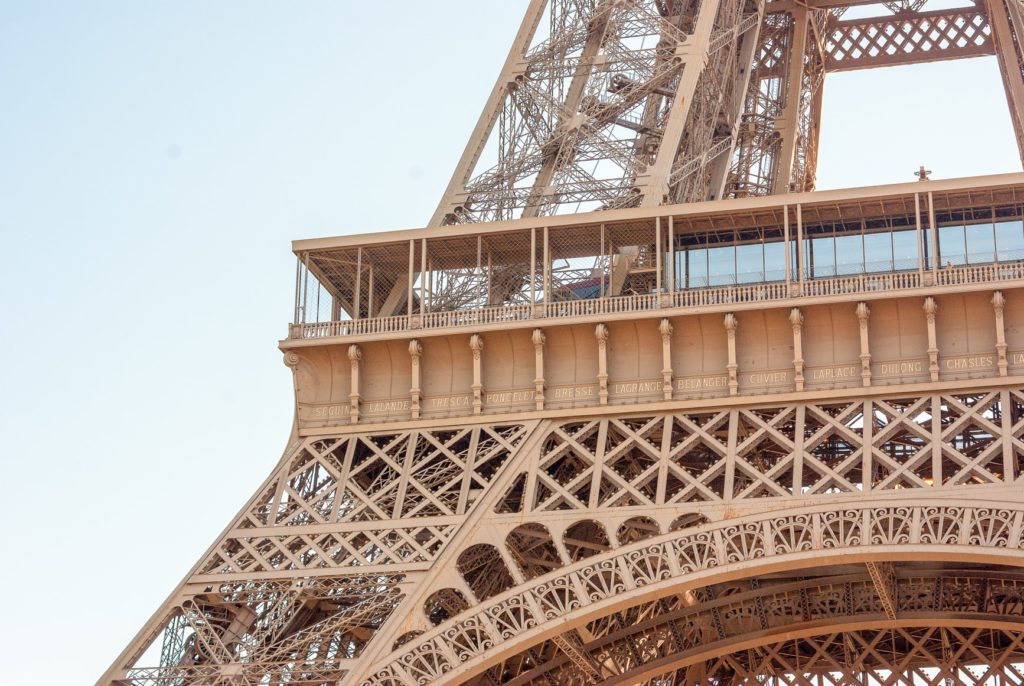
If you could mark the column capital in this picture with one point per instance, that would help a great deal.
(538, 338)
(863, 311)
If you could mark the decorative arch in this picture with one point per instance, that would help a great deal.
(687, 521)
(444, 604)
(683, 634)
(533, 549)
(873, 530)
(977, 651)
(405, 638)
(637, 529)
(484, 570)
(584, 539)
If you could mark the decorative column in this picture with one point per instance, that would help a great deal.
(863, 313)
(538, 366)
(730, 329)
(476, 344)
(999, 304)
(665, 329)
(796, 318)
(601, 334)
(415, 393)
(355, 357)
(930, 308)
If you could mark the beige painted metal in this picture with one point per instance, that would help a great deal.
(1007, 20)
(788, 123)
(566, 464)
(624, 104)
(512, 499)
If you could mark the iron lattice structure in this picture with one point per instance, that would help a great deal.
(622, 103)
(664, 443)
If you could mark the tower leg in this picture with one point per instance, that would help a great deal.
(1007, 20)
(484, 126)
(788, 124)
(745, 66)
(694, 54)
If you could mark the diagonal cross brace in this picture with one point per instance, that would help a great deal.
(884, 577)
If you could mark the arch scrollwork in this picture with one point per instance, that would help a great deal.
(693, 557)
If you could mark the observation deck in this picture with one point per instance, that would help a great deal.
(827, 290)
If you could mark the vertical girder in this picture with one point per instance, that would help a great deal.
(625, 102)
(1007, 18)
(787, 126)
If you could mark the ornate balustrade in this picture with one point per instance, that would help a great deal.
(859, 284)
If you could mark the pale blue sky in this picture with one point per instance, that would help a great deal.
(156, 158)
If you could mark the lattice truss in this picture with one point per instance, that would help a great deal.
(601, 619)
(909, 36)
(615, 103)
(779, 126)
(1008, 22)
(623, 263)
(611, 104)
(626, 646)
(360, 544)
(718, 456)
(315, 563)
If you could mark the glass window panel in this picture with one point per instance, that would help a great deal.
(1010, 240)
(722, 265)
(823, 257)
(904, 250)
(750, 263)
(849, 254)
(951, 245)
(878, 252)
(774, 261)
(698, 264)
(981, 244)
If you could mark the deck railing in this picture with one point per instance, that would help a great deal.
(692, 298)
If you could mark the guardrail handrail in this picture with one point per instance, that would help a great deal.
(691, 298)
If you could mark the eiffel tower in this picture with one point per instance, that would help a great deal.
(640, 406)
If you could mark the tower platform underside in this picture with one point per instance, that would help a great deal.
(772, 440)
